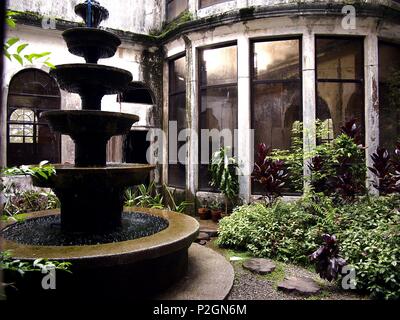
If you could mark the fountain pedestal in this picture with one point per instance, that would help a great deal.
(153, 252)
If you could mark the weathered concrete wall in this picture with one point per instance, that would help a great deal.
(128, 15)
(239, 4)
(306, 27)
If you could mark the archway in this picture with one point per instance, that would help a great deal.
(29, 139)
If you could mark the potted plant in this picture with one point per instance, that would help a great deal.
(203, 211)
(216, 212)
(224, 176)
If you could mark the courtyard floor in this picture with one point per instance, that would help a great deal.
(251, 286)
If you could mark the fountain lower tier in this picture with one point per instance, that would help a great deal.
(91, 81)
(136, 268)
(90, 131)
(90, 43)
(92, 199)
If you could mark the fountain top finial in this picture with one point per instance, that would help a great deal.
(92, 13)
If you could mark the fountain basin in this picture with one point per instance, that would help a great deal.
(91, 81)
(129, 269)
(90, 43)
(92, 198)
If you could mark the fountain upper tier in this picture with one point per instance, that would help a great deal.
(91, 81)
(92, 13)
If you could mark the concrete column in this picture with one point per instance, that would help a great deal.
(309, 97)
(371, 103)
(165, 124)
(193, 6)
(245, 142)
(192, 174)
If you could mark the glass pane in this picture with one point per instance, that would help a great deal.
(28, 130)
(16, 130)
(178, 75)
(276, 60)
(340, 102)
(23, 115)
(276, 107)
(207, 3)
(389, 109)
(175, 8)
(218, 111)
(16, 139)
(218, 66)
(340, 58)
(389, 60)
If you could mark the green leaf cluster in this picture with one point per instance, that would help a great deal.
(15, 49)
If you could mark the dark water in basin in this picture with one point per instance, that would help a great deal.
(45, 231)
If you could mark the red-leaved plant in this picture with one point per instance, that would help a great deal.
(387, 170)
(271, 174)
(328, 263)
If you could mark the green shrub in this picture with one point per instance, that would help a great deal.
(277, 231)
(368, 232)
(25, 201)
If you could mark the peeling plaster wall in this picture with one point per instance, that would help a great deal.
(128, 15)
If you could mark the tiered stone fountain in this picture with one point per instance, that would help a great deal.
(113, 253)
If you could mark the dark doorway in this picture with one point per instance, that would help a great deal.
(136, 147)
(29, 139)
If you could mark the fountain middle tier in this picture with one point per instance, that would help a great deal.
(91, 81)
(90, 131)
(92, 198)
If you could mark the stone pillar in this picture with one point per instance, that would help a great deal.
(371, 103)
(192, 120)
(3, 129)
(193, 6)
(245, 142)
(309, 97)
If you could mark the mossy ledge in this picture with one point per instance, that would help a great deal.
(186, 23)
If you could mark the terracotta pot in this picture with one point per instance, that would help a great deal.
(204, 213)
(216, 215)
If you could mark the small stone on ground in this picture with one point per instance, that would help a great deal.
(211, 232)
(203, 236)
(302, 286)
(259, 266)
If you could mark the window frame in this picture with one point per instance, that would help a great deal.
(254, 82)
(201, 88)
(333, 80)
(170, 62)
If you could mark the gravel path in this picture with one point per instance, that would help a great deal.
(249, 286)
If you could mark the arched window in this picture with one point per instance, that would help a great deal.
(29, 139)
(23, 126)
